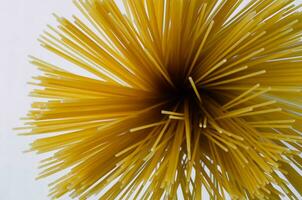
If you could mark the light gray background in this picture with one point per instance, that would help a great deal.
(21, 22)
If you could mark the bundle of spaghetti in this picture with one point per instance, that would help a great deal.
(182, 96)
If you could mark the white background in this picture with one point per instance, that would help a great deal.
(21, 22)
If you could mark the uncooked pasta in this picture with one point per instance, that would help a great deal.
(185, 96)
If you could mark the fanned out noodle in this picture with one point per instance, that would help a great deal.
(187, 95)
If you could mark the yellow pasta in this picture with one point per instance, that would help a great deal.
(184, 96)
